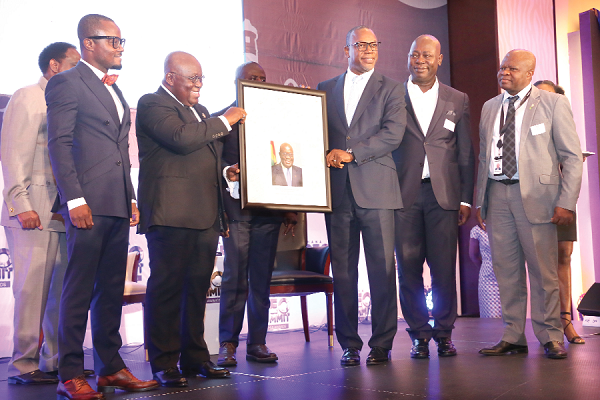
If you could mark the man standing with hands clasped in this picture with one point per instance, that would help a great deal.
(525, 133)
(366, 119)
(435, 165)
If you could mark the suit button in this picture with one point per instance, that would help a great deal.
(216, 184)
(119, 163)
(106, 122)
(347, 137)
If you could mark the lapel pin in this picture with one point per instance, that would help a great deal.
(203, 116)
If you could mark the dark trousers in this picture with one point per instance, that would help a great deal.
(426, 231)
(181, 264)
(94, 280)
(249, 257)
(344, 228)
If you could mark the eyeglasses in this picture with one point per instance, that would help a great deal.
(114, 40)
(195, 79)
(362, 46)
(426, 56)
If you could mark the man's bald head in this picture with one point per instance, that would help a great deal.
(183, 77)
(424, 59)
(251, 71)
(286, 154)
(516, 70)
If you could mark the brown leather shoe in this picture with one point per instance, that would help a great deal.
(77, 389)
(227, 355)
(124, 380)
(260, 353)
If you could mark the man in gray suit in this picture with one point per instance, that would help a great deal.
(286, 173)
(525, 133)
(366, 119)
(35, 235)
(436, 166)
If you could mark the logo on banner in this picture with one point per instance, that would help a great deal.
(279, 315)
(364, 307)
(6, 268)
(138, 276)
(251, 37)
(214, 292)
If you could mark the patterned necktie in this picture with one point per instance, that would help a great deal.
(109, 79)
(509, 157)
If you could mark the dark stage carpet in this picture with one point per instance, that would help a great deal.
(311, 371)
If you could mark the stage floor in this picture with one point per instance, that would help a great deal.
(312, 371)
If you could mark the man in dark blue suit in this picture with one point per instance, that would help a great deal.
(88, 130)
(249, 255)
(366, 119)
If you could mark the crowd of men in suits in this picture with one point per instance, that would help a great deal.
(67, 169)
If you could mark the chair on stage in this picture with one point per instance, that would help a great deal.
(135, 292)
(300, 271)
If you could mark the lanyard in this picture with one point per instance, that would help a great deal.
(502, 110)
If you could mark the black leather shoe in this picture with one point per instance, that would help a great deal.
(351, 356)
(208, 369)
(227, 355)
(36, 377)
(260, 353)
(445, 347)
(170, 377)
(503, 348)
(555, 349)
(420, 348)
(378, 355)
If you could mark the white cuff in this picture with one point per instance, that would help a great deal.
(71, 204)
(225, 122)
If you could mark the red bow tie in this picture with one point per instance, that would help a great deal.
(109, 79)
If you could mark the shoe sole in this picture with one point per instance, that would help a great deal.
(349, 363)
(508, 353)
(16, 382)
(111, 389)
(376, 362)
(419, 357)
(227, 364)
(447, 354)
(261, 360)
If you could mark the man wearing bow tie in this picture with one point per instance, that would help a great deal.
(435, 165)
(182, 216)
(525, 133)
(88, 131)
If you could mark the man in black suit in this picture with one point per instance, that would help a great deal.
(182, 216)
(435, 165)
(249, 255)
(286, 173)
(366, 119)
(88, 131)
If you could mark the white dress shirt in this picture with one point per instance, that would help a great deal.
(354, 86)
(424, 106)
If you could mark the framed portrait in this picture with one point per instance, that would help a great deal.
(282, 148)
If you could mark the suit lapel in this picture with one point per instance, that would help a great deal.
(534, 101)
(203, 116)
(440, 109)
(490, 124)
(338, 97)
(372, 87)
(126, 114)
(410, 110)
(99, 90)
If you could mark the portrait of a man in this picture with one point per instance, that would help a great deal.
(286, 173)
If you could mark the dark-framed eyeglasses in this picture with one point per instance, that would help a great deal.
(195, 79)
(115, 41)
(362, 46)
